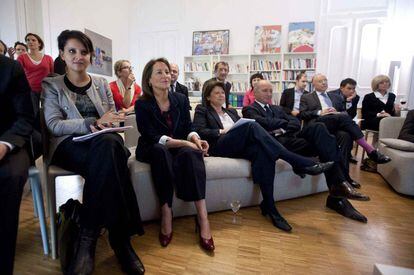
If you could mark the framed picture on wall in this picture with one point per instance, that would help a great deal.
(102, 59)
(301, 37)
(211, 42)
(267, 39)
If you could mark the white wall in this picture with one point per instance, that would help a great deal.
(8, 24)
(179, 18)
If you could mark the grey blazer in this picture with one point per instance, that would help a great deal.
(61, 115)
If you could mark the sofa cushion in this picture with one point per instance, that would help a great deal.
(398, 144)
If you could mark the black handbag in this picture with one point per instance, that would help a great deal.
(68, 226)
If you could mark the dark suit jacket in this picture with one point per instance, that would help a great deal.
(152, 126)
(310, 105)
(279, 119)
(287, 101)
(352, 111)
(226, 90)
(16, 109)
(182, 89)
(407, 131)
(371, 105)
(207, 123)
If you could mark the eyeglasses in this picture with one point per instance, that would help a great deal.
(127, 67)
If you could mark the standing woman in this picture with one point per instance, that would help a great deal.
(378, 104)
(76, 104)
(174, 152)
(124, 90)
(36, 65)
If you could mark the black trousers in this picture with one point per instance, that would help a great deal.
(108, 195)
(341, 122)
(315, 140)
(250, 141)
(180, 167)
(13, 175)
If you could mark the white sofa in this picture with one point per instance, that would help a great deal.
(227, 180)
(399, 173)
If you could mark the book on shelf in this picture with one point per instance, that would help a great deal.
(193, 84)
(265, 65)
(291, 75)
(272, 76)
(197, 67)
(238, 86)
(236, 100)
(238, 68)
(299, 63)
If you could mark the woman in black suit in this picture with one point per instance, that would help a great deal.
(173, 150)
(378, 104)
(249, 141)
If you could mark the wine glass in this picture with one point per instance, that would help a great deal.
(403, 107)
(235, 206)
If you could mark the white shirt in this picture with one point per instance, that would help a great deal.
(298, 95)
(383, 98)
(226, 120)
(322, 99)
(276, 132)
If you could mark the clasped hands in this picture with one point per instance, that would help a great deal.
(107, 120)
(328, 111)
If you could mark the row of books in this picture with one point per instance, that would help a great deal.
(236, 100)
(300, 63)
(238, 68)
(266, 65)
(273, 76)
(197, 66)
(193, 84)
(237, 86)
(291, 75)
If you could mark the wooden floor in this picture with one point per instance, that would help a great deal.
(322, 242)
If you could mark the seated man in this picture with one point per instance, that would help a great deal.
(320, 106)
(347, 92)
(17, 118)
(313, 140)
(407, 131)
(291, 97)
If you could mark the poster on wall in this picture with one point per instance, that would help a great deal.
(102, 59)
(301, 37)
(211, 42)
(267, 39)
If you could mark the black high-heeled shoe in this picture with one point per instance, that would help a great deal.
(206, 244)
(314, 169)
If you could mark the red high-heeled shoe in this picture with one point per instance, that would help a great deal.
(165, 239)
(206, 244)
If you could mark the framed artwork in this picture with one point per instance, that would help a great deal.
(102, 59)
(211, 42)
(301, 37)
(267, 39)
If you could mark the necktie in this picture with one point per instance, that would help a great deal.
(269, 112)
(172, 88)
(326, 99)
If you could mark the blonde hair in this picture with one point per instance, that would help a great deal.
(118, 66)
(377, 80)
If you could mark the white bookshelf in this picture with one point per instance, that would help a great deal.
(295, 63)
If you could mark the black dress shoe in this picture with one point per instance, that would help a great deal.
(379, 158)
(128, 259)
(345, 208)
(83, 261)
(277, 219)
(344, 190)
(354, 184)
(314, 169)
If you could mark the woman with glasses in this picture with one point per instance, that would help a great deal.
(124, 90)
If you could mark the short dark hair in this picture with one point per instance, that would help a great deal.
(42, 44)
(300, 75)
(78, 35)
(253, 76)
(5, 47)
(210, 85)
(220, 63)
(349, 81)
(21, 44)
(147, 91)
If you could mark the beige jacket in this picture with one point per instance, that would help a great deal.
(61, 115)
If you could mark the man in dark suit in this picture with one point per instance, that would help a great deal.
(320, 106)
(17, 118)
(347, 92)
(175, 85)
(221, 71)
(311, 141)
(290, 99)
(407, 131)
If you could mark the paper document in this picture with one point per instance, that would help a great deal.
(106, 130)
(241, 122)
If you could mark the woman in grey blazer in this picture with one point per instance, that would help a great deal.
(76, 104)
